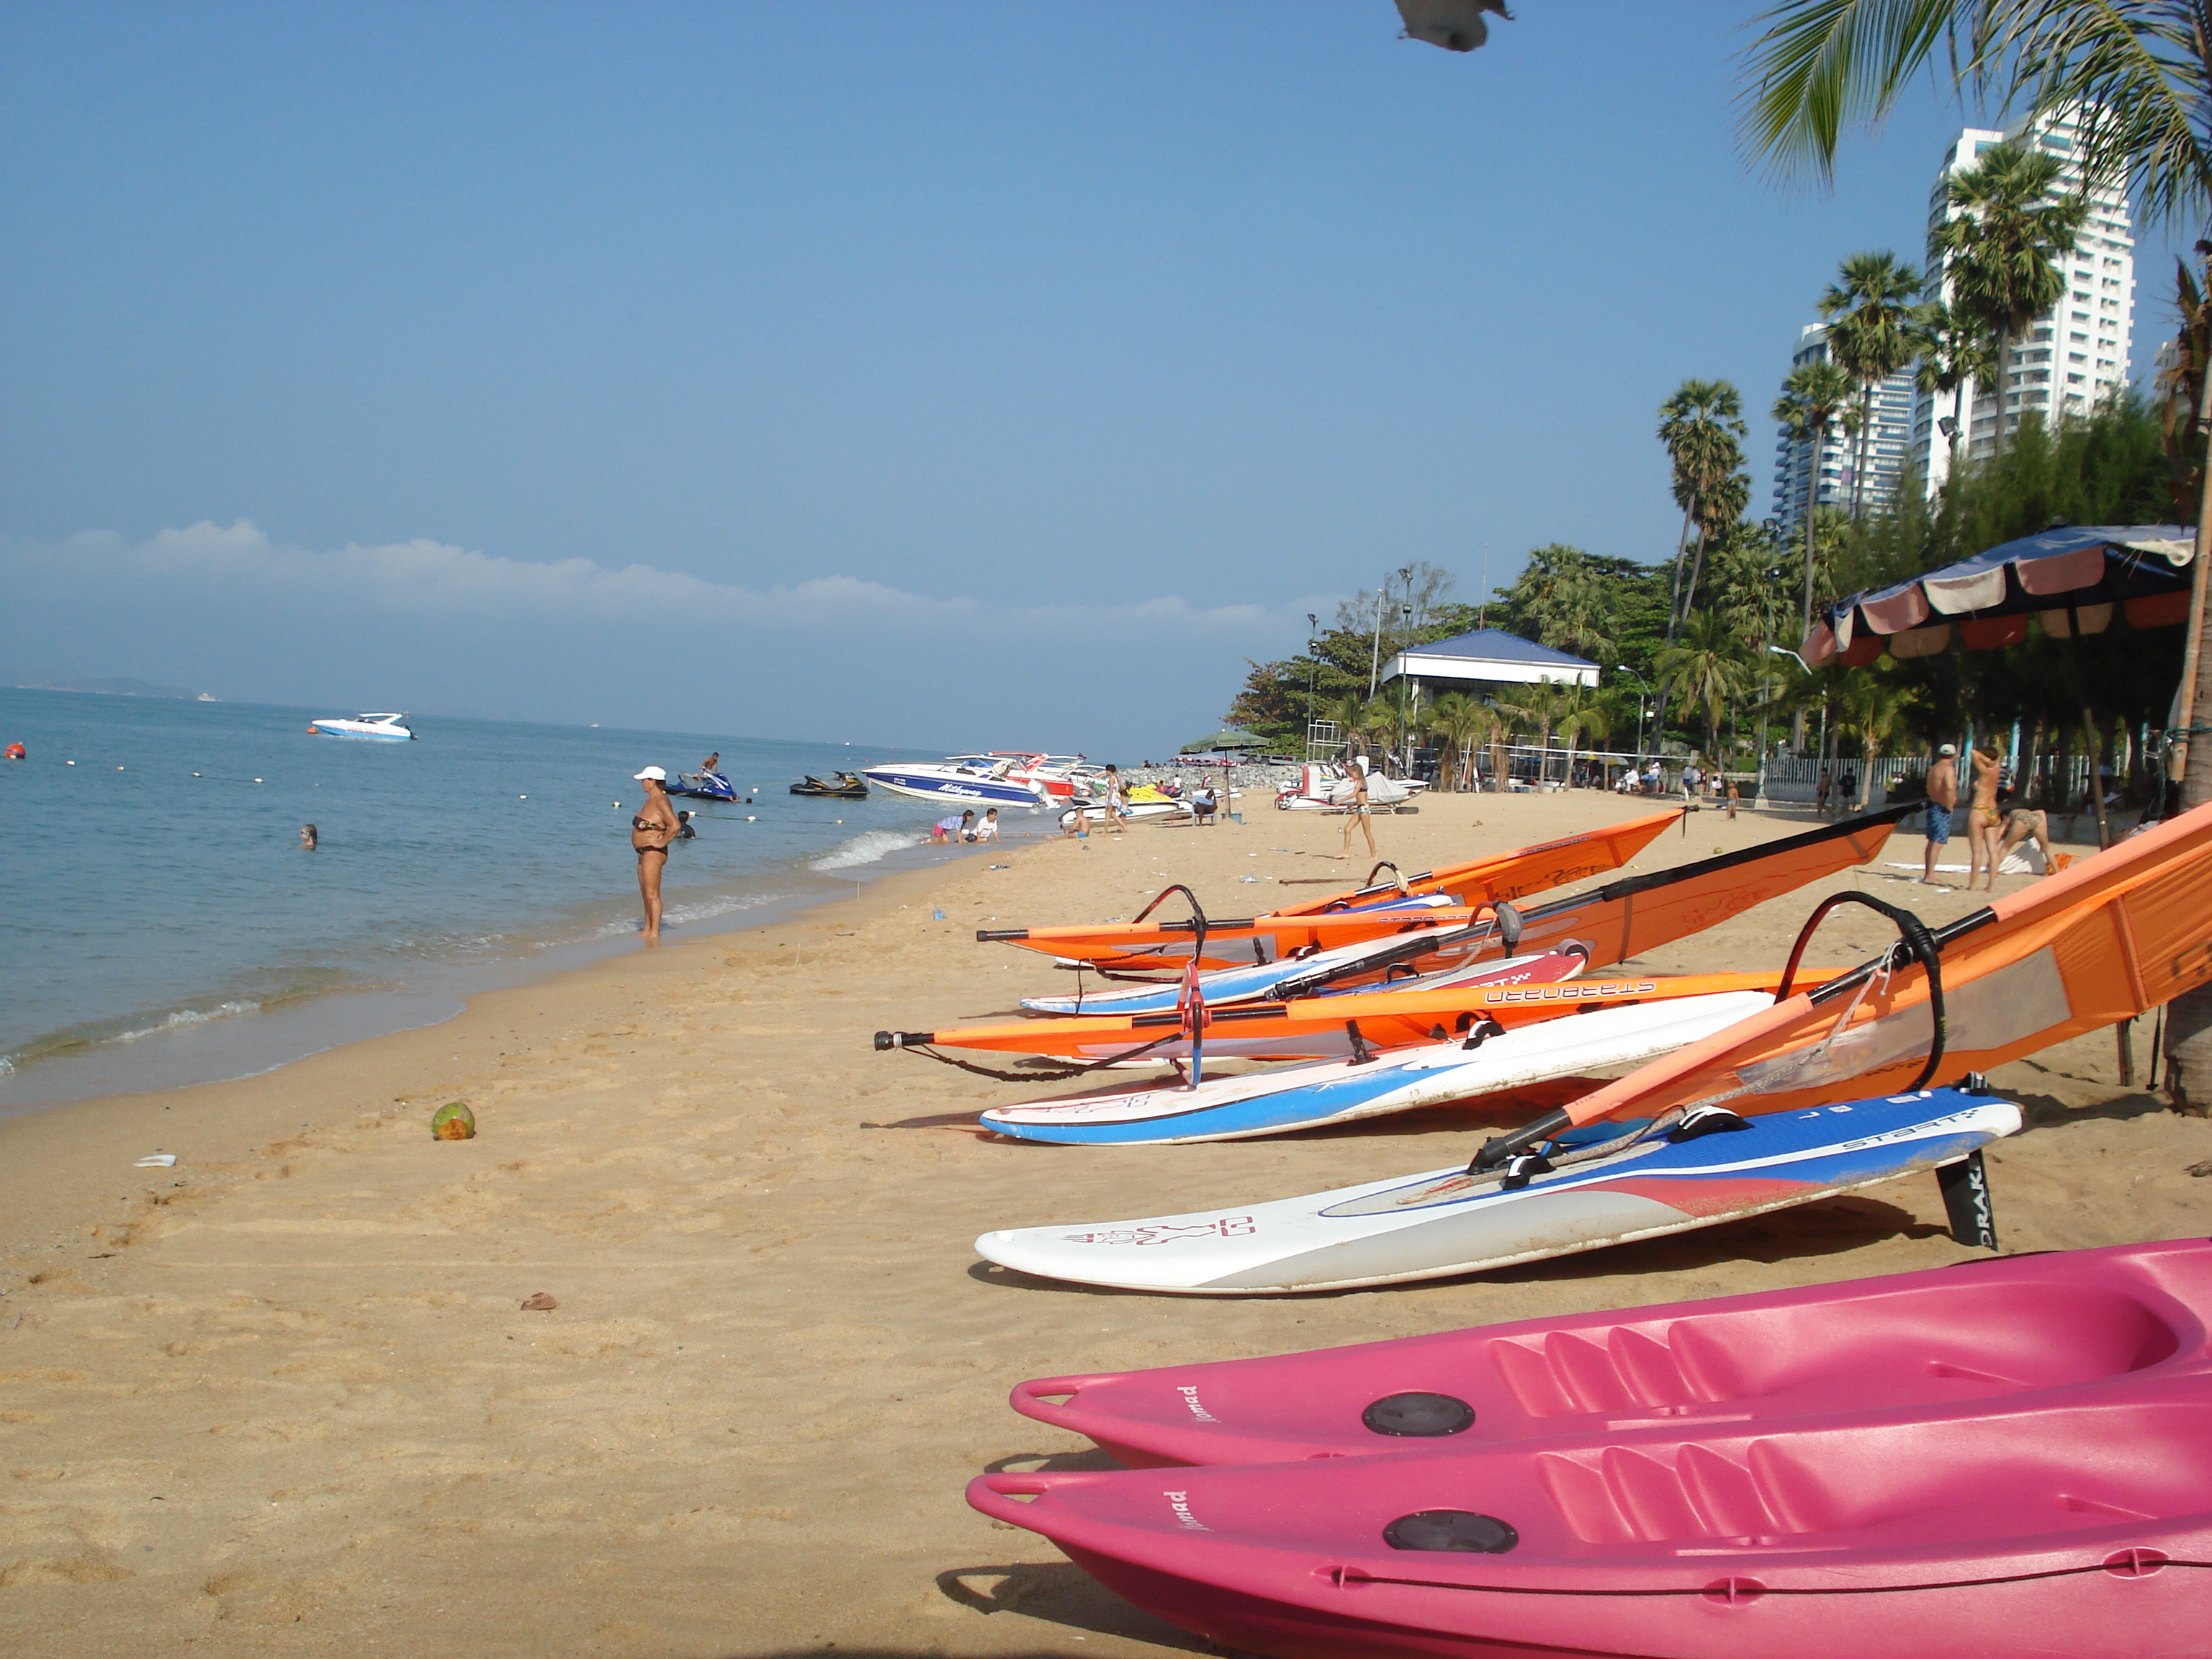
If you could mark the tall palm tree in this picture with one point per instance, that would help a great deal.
(2141, 73)
(1701, 425)
(1869, 313)
(1812, 397)
(2009, 222)
(1720, 509)
(1951, 352)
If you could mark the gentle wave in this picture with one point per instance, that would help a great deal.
(185, 1018)
(677, 915)
(865, 848)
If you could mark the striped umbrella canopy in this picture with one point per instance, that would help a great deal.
(2073, 579)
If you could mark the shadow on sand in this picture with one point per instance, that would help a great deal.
(1833, 1226)
(1062, 1594)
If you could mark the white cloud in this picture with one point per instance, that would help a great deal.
(240, 563)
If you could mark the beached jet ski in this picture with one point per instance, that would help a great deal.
(843, 786)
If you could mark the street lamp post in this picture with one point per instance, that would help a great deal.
(1313, 668)
(1405, 629)
(1644, 690)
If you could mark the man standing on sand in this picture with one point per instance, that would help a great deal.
(654, 826)
(1943, 796)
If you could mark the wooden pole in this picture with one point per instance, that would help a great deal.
(2185, 707)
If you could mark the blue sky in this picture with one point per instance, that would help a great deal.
(942, 373)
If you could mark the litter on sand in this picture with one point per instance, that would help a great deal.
(157, 1161)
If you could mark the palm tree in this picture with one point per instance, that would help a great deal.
(1952, 353)
(1532, 708)
(1706, 667)
(1719, 510)
(2008, 220)
(2140, 72)
(1811, 398)
(1869, 316)
(1349, 713)
(1465, 724)
(1700, 425)
(1871, 705)
(1584, 712)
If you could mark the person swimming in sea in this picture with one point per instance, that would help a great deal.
(651, 830)
(310, 837)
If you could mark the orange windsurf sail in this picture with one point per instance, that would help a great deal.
(1325, 923)
(2114, 936)
(1605, 925)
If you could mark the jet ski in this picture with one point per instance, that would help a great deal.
(705, 786)
(842, 785)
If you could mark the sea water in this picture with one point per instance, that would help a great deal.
(161, 922)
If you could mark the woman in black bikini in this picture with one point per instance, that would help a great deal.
(650, 832)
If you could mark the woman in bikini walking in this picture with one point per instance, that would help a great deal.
(650, 832)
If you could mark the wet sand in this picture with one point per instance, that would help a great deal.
(283, 1399)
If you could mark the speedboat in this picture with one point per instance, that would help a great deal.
(992, 780)
(391, 728)
(703, 785)
(843, 786)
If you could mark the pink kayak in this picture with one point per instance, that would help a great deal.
(1806, 1478)
(1978, 1330)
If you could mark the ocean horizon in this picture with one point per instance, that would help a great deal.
(169, 928)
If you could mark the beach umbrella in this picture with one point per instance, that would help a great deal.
(2074, 578)
(1454, 25)
(1225, 741)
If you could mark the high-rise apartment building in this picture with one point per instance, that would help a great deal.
(2073, 355)
(1827, 473)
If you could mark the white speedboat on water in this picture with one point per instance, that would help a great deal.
(997, 780)
(390, 728)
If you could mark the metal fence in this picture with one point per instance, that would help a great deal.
(2061, 780)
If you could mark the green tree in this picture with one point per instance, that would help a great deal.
(2009, 222)
(2140, 72)
(1871, 704)
(1870, 336)
(1705, 668)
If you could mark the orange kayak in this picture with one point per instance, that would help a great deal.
(1466, 890)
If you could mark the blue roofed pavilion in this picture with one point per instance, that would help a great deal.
(1488, 656)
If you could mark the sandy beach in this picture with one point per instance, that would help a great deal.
(283, 1398)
